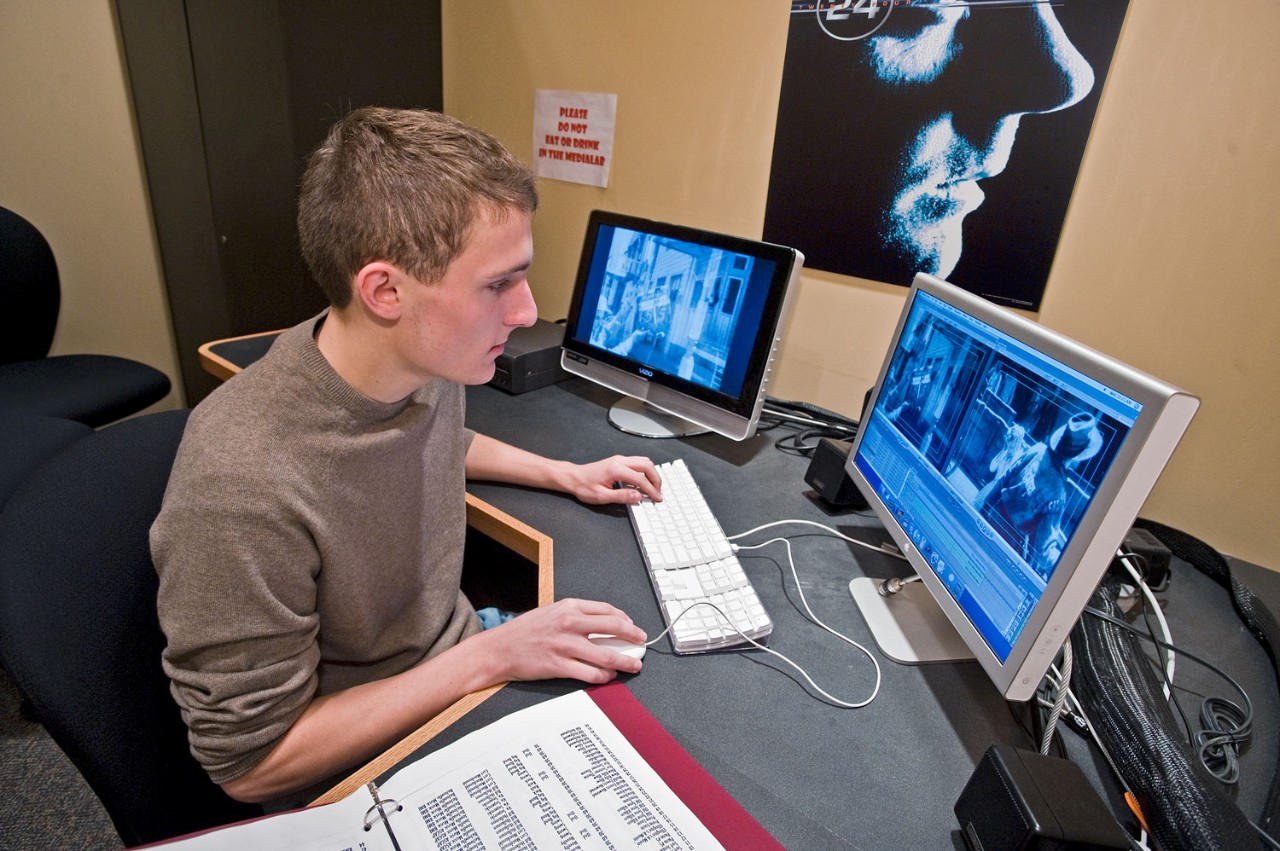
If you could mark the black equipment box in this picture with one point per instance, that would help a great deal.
(1019, 800)
(531, 358)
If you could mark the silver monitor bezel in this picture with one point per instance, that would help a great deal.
(1166, 413)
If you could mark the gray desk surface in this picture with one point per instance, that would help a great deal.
(818, 777)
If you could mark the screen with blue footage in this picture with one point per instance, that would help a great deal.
(687, 310)
(988, 453)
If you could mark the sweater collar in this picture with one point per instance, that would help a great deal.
(302, 338)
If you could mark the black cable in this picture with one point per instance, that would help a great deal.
(1253, 612)
(1164, 672)
(1183, 806)
(827, 417)
(804, 441)
(810, 423)
(1226, 726)
(1224, 729)
(767, 423)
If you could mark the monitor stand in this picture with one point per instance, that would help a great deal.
(640, 418)
(909, 627)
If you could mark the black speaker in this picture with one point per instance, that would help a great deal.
(1018, 800)
(827, 477)
(826, 471)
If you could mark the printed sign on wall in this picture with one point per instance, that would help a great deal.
(573, 136)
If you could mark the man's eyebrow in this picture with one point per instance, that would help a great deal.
(506, 273)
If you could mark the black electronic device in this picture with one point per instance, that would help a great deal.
(827, 472)
(531, 358)
(1018, 800)
(827, 476)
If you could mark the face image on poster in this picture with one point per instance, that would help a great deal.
(939, 136)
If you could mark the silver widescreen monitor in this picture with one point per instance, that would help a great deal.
(683, 322)
(1007, 462)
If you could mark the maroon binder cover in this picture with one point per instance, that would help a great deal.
(715, 808)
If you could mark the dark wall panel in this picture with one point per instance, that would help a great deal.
(231, 96)
(154, 36)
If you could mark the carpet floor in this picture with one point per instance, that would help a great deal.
(44, 802)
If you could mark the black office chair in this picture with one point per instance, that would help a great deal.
(80, 637)
(91, 389)
(27, 441)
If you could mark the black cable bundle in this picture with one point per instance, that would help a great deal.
(1184, 806)
(1255, 615)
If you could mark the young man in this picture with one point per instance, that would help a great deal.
(310, 543)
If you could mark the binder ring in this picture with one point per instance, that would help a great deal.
(377, 812)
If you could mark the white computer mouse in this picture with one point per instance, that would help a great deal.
(626, 648)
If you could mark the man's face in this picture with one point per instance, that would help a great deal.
(456, 327)
(956, 79)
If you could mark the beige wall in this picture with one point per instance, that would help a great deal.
(1165, 259)
(1172, 247)
(1168, 251)
(70, 163)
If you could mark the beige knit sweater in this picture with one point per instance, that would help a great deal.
(310, 540)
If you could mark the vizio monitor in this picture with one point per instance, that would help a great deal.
(683, 322)
(1007, 463)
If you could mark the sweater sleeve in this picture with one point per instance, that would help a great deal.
(238, 611)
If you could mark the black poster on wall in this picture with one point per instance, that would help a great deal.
(938, 136)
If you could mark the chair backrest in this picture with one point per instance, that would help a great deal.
(30, 288)
(80, 636)
(27, 441)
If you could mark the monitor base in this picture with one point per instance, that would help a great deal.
(908, 627)
(639, 418)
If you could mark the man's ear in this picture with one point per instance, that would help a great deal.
(377, 287)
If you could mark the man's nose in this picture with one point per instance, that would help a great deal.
(523, 310)
(1068, 75)
(1022, 60)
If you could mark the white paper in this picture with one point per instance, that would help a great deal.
(573, 135)
(555, 775)
(332, 827)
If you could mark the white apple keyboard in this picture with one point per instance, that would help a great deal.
(691, 562)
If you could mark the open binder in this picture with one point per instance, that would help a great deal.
(589, 769)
